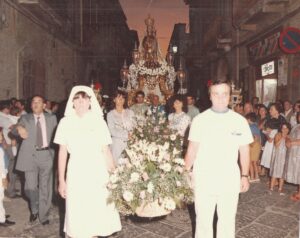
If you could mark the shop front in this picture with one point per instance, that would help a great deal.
(269, 67)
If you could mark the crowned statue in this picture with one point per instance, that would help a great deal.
(149, 72)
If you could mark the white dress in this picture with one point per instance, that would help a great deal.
(87, 211)
(268, 150)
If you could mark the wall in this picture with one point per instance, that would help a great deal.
(59, 62)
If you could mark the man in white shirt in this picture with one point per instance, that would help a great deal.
(5, 121)
(216, 138)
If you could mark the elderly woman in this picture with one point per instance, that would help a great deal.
(83, 134)
(179, 120)
(120, 122)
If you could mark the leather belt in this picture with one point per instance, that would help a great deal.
(43, 148)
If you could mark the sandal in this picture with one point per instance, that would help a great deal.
(281, 193)
(295, 197)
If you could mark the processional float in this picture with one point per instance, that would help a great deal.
(150, 72)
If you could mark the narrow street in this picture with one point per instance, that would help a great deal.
(260, 215)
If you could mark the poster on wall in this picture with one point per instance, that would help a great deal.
(282, 70)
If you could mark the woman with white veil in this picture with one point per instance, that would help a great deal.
(83, 134)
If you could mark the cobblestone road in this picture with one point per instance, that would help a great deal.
(260, 215)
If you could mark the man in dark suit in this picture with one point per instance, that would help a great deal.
(36, 157)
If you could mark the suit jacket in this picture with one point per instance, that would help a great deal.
(158, 109)
(288, 116)
(27, 151)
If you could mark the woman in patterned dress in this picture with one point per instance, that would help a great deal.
(279, 157)
(179, 120)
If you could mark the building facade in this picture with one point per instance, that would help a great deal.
(47, 46)
(240, 39)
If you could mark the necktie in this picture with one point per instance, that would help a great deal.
(39, 135)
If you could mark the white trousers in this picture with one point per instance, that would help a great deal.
(205, 205)
(2, 210)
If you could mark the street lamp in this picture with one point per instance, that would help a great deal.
(124, 73)
(135, 54)
(181, 76)
(174, 49)
(170, 56)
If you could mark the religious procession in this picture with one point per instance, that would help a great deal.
(151, 157)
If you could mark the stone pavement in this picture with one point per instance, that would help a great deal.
(260, 215)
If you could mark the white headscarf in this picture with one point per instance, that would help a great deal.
(95, 107)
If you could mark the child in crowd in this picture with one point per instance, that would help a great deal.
(255, 147)
(3, 183)
(279, 157)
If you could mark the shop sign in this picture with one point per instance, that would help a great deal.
(267, 69)
(265, 47)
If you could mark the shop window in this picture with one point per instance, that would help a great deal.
(266, 90)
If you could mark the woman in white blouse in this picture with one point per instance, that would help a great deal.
(179, 120)
(120, 122)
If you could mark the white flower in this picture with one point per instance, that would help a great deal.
(142, 194)
(179, 169)
(113, 186)
(128, 196)
(166, 145)
(150, 187)
(178, 183)
(167, 156)
(134, 177)
(166, 167)
(120, 169)
(123, 161)
(179, 161)
(173, 137)
(175, 151)
(169, 204)
(114, 178)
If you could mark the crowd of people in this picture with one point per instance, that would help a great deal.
(28, 149)
(85, 132)
(276, 147)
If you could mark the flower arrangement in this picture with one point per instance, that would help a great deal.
(152, 169)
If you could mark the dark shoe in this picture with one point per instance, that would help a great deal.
(15, 196)
(7, 216)
(7, 223)
(45, 222)
(33, 217)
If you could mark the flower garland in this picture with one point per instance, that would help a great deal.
(140, 69)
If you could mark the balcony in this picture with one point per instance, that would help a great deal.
(248, 13)
(42, 11)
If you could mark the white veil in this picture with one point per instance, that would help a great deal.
(95, 107)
